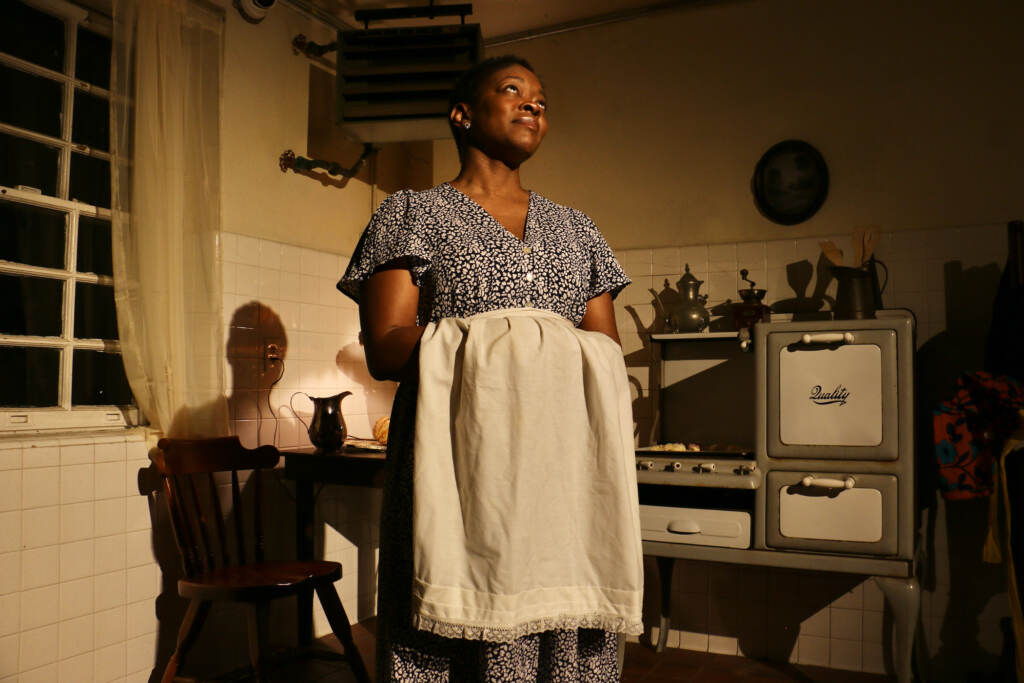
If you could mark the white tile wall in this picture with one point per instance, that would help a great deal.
(61, 617)
(323, 356)
(801, 616)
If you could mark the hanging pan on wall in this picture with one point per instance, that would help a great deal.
(790, 182)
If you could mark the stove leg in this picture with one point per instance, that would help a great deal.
(665, 567)
(904, 597)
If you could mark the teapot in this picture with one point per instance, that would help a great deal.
(684, 312)
(327, 429)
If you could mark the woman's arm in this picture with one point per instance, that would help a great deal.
(600, 317)
(387, 315)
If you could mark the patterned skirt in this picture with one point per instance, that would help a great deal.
(407, 655)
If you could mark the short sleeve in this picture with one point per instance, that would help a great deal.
(606, 275)
(390, 236)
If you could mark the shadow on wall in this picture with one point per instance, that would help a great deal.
(971, 583)
(801, 305)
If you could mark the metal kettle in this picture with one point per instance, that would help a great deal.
(327, 428)
(689, 314)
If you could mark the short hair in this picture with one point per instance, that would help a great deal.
(467, 87)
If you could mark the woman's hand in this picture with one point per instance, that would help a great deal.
(387, 315)
(600, 317)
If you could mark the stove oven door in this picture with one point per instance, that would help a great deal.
(832, 512)
(831, 394)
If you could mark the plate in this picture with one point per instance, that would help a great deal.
(365, 444)
(790, 182)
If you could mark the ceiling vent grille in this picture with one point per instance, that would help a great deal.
(401, 74)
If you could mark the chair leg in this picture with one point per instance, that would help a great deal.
(195, 615)
(257, 620)
(338, 620)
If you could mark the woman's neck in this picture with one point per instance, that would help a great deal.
(483, 176)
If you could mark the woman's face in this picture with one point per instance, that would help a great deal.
(508, 120)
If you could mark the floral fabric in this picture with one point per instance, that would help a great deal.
(970, 430)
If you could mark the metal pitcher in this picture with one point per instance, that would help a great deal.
(327, 429)
(858, 294)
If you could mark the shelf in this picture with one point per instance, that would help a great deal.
(784, 559)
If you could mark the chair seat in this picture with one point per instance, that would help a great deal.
(258, 581)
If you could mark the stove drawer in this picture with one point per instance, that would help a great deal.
(832, 511)
(831, 394)
(722, 528)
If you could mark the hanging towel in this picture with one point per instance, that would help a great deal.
(970, 430)
(525, 511)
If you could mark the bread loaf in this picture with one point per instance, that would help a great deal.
(380, 429)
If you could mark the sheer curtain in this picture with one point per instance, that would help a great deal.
(166, 76)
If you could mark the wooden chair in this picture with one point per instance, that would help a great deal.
(212, 570)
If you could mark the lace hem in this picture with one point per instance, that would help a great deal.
(507, 634)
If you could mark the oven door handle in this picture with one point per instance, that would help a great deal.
(684, 526)
(827, 338)
(826, 483)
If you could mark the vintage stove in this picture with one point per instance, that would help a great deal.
(826, 407)
(818, 470)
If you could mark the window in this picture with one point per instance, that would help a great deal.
(59, 355)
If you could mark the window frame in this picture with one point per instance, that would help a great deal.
(63, 416)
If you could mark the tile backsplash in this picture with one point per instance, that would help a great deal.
(917, 263)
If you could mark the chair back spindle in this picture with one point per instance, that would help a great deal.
(257, 475)
(223, 557)
(200, 521)
(236, 504)
(181, 528)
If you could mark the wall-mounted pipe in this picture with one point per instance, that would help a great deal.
(289, 160)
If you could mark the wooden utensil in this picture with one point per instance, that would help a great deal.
(858, 247)
(832, 252)
(872, 237)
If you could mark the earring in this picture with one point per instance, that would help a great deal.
(466, 124)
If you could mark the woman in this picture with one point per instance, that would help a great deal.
(476, 244)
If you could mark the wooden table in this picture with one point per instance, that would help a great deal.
(308, 467)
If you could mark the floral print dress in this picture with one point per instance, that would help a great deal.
(465, 262)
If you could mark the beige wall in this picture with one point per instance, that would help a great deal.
(657, 123)
(265, 110)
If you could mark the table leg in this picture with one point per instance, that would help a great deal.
(665, 567)
(904, 597)
(304, 513)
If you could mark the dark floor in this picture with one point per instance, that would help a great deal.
(644, 665)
